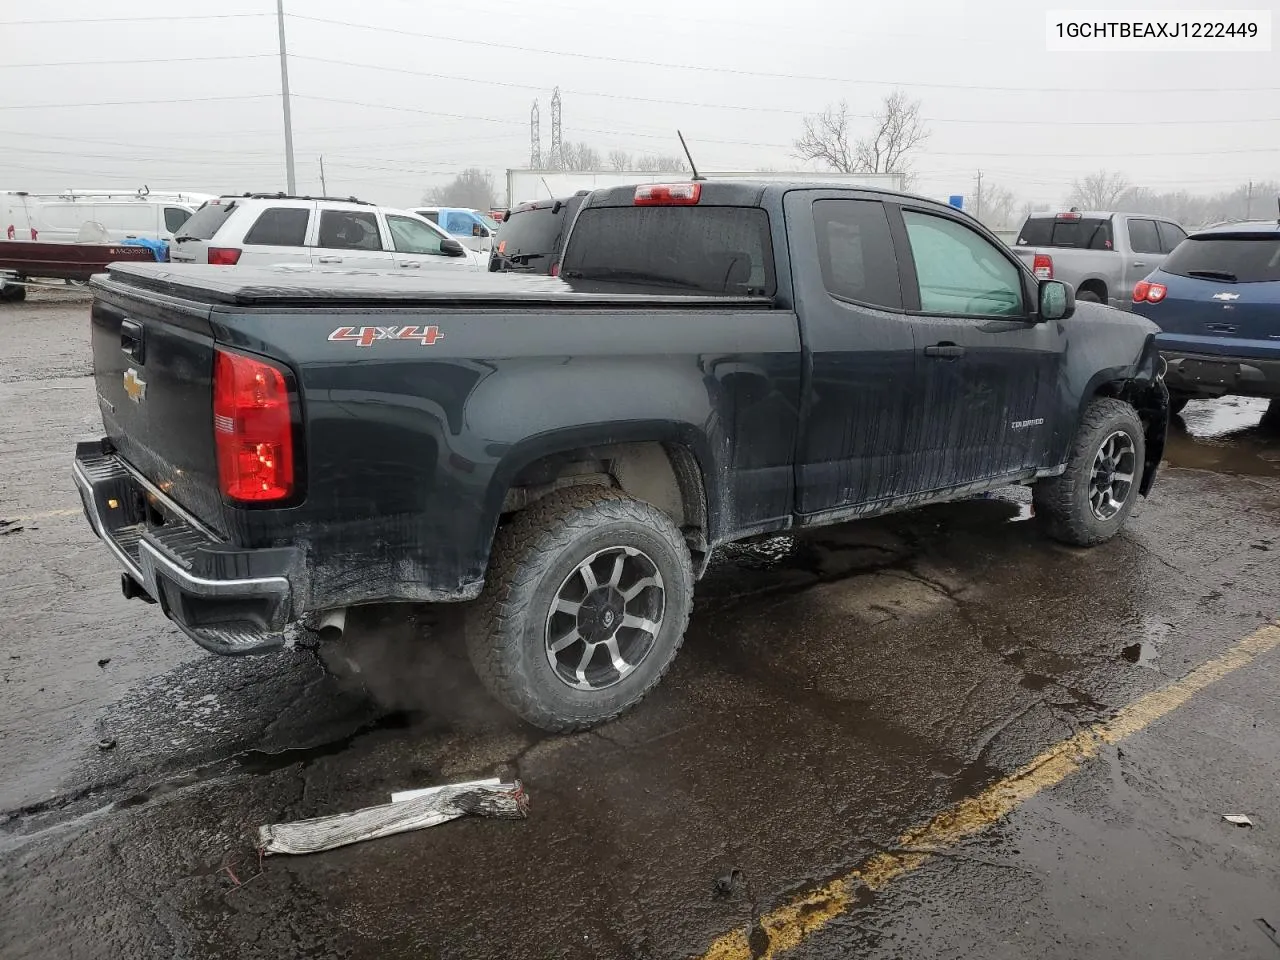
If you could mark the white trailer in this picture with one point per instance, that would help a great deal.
(526, 185)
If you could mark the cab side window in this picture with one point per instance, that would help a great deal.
(959, 271)
(175, 217)
(1143, 237)
(349, 230)
(411, 236)
(855, 251)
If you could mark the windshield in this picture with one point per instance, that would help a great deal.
(715, 249)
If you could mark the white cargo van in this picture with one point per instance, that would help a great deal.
(59, 217)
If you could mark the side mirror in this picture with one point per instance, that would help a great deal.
(452, 248)
(477, 230)
(1057, 300)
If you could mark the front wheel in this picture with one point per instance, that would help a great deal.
(1091, 500)
(585, 606)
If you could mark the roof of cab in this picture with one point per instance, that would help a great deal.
(746, 192)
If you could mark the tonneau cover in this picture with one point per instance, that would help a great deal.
(284, 286)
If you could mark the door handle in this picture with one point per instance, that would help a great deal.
(131, 339)
(1139, 263)
(945, 350)
(413, 266)
(330, 259)
(1221, 327)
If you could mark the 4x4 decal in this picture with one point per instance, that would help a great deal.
(368, 336)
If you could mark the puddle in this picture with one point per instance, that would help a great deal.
(1234, 435)
(1143, 653)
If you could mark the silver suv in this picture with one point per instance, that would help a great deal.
(267, 229)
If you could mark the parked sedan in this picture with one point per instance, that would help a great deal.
(1216, 299)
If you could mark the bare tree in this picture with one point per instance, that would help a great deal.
(1000, 207)
(898, 131)
(581, 156)
(826, 139)
(619, 160)
(471, 188)
(654, 163)
(1100, 190)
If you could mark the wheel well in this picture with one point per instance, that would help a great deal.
(662, 474)
(1094, 285)
(1150, 399)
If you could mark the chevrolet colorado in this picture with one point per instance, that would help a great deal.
(717, 360)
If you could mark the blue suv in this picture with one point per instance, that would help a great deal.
(1216, 299)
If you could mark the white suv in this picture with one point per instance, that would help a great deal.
(268, 229)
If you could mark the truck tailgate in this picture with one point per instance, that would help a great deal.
(153, 366)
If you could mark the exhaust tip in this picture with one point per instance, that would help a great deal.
(332, 624)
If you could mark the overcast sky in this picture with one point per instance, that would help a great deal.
(364, 98)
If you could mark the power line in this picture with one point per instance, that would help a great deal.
(72, 23)
(110, 63)
(574, 54)
(132, 103)
(759, 109)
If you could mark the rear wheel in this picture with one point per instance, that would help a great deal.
(1088, 296)
(12, 292)
(588, 596)
(1090, 502)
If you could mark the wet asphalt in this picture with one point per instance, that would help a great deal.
(833, 691)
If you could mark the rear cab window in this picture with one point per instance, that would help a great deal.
(1078, 232)
(708, 248)
(279, 227)
(1234, 258)
(205, 222)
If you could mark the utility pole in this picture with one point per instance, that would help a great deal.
(1248, 203)
(977, 204)
(284, 89)
(324, 190)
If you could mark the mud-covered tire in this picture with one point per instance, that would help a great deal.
(1063, 502)
(13, 292)
(533, 554)
(1088, 296)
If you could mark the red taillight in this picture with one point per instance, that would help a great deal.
(252, 428)
(1042, 266)
(1148, 292)
(668, 194)
(1070, 215)
(224, 256)
(555, 269)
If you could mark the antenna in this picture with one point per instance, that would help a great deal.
(544, 183)
(692, 166)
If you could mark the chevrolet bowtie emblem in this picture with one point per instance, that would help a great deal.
(135, 387)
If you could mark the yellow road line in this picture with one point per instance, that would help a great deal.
(792, 923)
(47, 514)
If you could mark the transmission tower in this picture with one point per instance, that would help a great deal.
(557, 145)
(535, 138)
